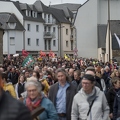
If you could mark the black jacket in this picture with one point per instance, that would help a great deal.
(116, 106)
(70, 92)
(110, 98)
(12, 109)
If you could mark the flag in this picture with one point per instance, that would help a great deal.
(66, 57)
(42, 54)
(118, 40)
(29, 61)
(24, 53)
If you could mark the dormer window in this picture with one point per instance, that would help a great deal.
(29, 13)
(12, 25)
(34, 14)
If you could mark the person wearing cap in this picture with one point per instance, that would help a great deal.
(90, 102)
(98, 81)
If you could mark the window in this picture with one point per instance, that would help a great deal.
(12, 41)
(45, 44)
(54, 42)
(29, 13)
(34, 14)
(49, 29)
(37, 42)
(49, 44)
(66, 31)
(28, 27)
(71, 45)
(66, 43)
(54, 29)
(28, 41)
(48, 18)
(45, 29)
(37, 28)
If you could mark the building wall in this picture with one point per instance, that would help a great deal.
(91, 14)
(65, 37)
(33, 35)
(86, 25)
(103, 10)
(54, 48)
(11, 48)
(1, 46)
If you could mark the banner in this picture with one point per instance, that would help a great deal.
(29, 61)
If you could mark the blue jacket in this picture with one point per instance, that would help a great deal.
(116, 106)
(50, 112)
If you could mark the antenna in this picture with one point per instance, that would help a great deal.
(49, 3)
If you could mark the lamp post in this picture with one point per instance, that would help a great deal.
(60, 40)
(109, 30)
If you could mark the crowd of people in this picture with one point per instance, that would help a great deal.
(75, 89)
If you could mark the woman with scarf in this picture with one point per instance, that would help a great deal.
(90, 102)
(35, 98)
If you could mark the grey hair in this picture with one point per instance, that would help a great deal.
(34, 83)
(62, 70)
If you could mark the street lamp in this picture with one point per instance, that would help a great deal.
(109, 29)
(59, 40)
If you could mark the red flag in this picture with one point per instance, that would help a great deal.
(42, 54)
(24, 53)
(50, 53)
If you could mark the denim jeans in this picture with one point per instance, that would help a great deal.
(62, 118)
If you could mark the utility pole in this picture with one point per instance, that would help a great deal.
(109, 30)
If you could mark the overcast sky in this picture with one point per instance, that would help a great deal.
(46, 2)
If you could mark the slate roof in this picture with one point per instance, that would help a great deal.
(67, 11)
(102, 31)
(24, 6)
(58, 14)
(72, 7)
(115, 27)
(20, 7)
(6, 18)
(33, 8)
(40, 6)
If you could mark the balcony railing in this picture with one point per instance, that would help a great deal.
(49, 35)
(50, 22)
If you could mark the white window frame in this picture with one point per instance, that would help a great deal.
(54, 43)
(37, 28)
(28, 27)
(29, 40)
(12, 40)
(67, 43)
(37, 42)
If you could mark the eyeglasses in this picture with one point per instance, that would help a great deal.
(85, 83)
(33, 90)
